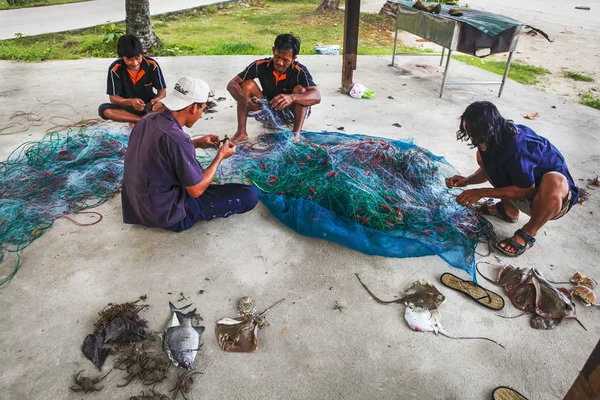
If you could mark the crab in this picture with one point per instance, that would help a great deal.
(149, 369)
(150, 396)
(185, 383)
(246, 306)
(86, 384)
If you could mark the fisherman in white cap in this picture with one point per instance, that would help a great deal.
(164, 186)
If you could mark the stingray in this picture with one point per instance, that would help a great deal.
(422, 300)
(118, 323)
(241, 334)
(529, 291)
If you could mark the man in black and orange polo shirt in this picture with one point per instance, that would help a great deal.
(131, 83)
(287, 87)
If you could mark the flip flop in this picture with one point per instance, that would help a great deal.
(506, 393)
(485, 297)
(529, 242)
(499, 213)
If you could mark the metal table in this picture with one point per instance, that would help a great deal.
(476, 33)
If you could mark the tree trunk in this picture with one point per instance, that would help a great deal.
(138, 23)
(328, 5)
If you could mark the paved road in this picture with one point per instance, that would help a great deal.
(37, 20)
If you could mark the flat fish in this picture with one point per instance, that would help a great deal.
(240, 335)
(421, 319)
(237, 334)
(182, 342)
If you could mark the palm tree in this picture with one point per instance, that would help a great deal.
(138, 23)
(328, 5)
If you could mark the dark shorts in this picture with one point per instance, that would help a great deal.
(110, 106)
(217, 201)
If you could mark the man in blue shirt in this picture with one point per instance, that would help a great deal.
(526, 171)
(164, 186)
(131, 82)
(287, 88)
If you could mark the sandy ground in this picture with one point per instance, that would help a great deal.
(310, 351)
(575, 34)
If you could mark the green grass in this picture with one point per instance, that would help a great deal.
(577, 77)
(525, 74)
(589, 100)
(230, 30)
(35, 3)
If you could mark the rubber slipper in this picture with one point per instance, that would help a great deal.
(529, 242)
(485, 297)
(506, 393)
(499, 213)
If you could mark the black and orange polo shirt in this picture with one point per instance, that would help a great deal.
(122, 83)
(273, 84)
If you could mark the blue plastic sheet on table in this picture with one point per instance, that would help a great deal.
(417, 235)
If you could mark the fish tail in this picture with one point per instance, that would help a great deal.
(451, 336)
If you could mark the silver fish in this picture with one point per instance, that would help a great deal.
(182, 342)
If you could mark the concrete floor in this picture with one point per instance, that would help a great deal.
(310, 351)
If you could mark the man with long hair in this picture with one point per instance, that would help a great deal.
(527, 172)
(287, 87)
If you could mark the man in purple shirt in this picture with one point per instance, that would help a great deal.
(164, 186)
(526, 171)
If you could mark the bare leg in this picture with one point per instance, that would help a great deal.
(511, 210)
(547, 203)
(299, 112)
(121, 116)
(250, 89)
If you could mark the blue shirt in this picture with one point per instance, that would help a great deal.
(523, 160)
(160, 162)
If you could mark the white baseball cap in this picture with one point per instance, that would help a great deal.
(187, 91)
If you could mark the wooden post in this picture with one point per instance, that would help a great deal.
(351, 21)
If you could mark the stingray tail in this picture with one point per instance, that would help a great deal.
(579, 322)
(451, 336)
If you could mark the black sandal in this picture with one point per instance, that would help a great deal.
(499, 213)
(529, 242)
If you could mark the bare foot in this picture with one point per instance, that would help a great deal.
(239, 137)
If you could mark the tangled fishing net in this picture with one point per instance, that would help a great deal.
(61, 174)
(377, 196)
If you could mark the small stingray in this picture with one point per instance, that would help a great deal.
(422, 300)
(118, 323)
(424, 320)
(529, 291)
(241, 334)
(421, 293)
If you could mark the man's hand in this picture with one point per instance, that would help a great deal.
(456, 181)
(281, 101)
(253, 104)
(156, 104)
(226, 150)
(469, 197)
(138, 104)
(206, 142)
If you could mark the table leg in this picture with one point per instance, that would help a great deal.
(395, 43)
(505, 73)
(445, 73)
